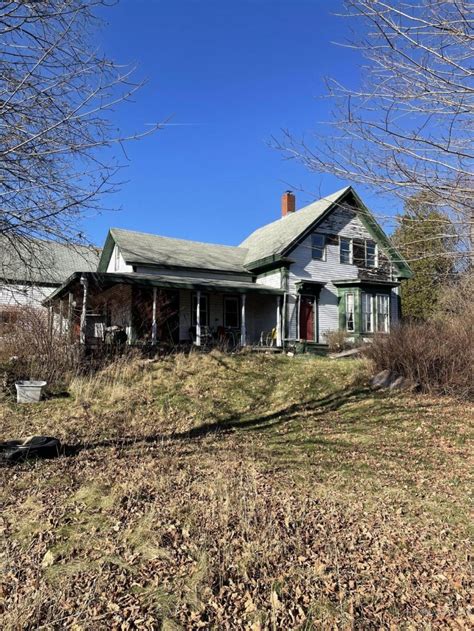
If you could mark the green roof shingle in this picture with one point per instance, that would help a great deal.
(44, 262)
(275, 237)
(150, 249)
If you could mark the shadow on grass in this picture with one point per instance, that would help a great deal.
(293, 412)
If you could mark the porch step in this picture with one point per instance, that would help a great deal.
(314, 348)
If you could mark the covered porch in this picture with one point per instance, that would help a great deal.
(137, 309)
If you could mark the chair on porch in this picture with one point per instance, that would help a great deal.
(268, 338)
(207, 337)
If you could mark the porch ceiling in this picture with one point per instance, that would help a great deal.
(105, 280)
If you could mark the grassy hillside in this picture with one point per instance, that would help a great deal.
(245, 492)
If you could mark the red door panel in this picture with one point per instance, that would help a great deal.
(307, 318)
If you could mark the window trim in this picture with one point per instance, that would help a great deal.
(324, 247)
(237, 301)
(351, 259)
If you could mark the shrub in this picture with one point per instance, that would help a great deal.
(436, 355)
(337, 341)
(30, 350)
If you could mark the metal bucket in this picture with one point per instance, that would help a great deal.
(29, 391)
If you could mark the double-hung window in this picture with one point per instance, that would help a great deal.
(203, 310)
(350, 324)
(367, 313)
(383, 312)
(345, 250)
(231, 312)
(318, 243)
(371, 254)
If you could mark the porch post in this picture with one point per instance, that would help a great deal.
(61, 317)
(278, 321)
(243, 324)
(85, 286)
(70, 315)
(153, 323)
(298, 317)
(198, 318)
(50, 323)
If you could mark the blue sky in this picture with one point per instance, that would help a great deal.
(227, 75)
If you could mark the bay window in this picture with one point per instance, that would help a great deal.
(350, 324)
(383, 313)
(367, 313)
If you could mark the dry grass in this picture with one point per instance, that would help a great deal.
(246, 492)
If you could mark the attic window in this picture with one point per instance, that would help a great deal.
(371, 254)
(318, 243)
(364, 253)
(345, 250)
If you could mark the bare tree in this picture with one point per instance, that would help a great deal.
(409, 129)
(56, 93)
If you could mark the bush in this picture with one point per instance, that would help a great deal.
(436, 355)
(29, 350)
(337, 341)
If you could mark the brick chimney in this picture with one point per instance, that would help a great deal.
(287, 203)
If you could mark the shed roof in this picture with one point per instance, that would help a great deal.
(105, 280)
(43, 262)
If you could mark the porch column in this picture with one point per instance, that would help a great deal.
(298, 317)
(50, 323)
(278, 321)
(198, 319)
(85, 286)
(243, 324)
(153, 323)
(70, 316)
(61, 317)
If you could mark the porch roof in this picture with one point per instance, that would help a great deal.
(105, 280)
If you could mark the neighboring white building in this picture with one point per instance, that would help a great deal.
(326, 267)
(31, 271)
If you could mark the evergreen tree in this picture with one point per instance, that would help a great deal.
(426, 237)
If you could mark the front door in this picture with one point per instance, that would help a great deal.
(307, 318)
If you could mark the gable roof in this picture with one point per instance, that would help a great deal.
(266, 247)
(148, 249)
(274, 238)
(44, 262)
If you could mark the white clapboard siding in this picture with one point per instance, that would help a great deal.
(187, 273)
(23, 295)
(117, 262)
(345, 223)
(272, 279)
(261, 316)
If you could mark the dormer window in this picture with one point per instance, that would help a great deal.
(318, 244)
